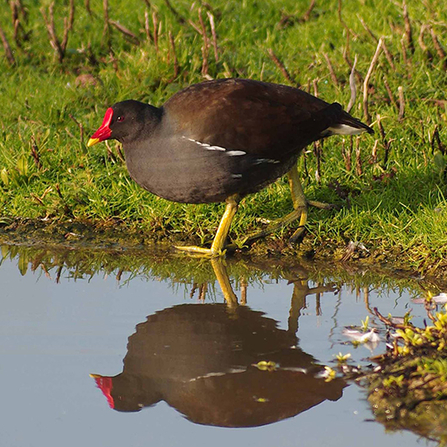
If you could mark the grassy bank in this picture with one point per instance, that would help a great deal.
(390, 187)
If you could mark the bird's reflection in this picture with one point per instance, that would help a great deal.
(220, 364)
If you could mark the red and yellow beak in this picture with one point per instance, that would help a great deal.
(104, 132)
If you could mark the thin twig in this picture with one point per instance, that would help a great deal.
(408, 30)
(435, 137)
(374, 152)
(368, 29)
(331, 70)
(385, 142)
(358, 158)
(155, 34)
(14, 4)
(68, 25)
(54, 40)
(346, 152)
(87, 7)
(205, 46)
(176, 64)
(106, 31)
(441, 53)
(179, 18)
(35, 153)
(122, 29)
(400, 90)
(146, 26)
(421, 42)
(352, 86)
(404, 54)
(389, 56)
(213, 33)
(81, 128)
(366, 82)
(306, 15)
(7, 48)
(281, 66)
(389, 91)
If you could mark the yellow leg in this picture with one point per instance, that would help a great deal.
(221, 234)
(299, 201)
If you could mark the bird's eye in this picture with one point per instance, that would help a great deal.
(120, 118)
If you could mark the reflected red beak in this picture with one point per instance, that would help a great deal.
(104, 132)
(105, 385)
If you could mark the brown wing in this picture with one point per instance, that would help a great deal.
(256, 117)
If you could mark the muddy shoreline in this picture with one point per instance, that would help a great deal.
(115, 237)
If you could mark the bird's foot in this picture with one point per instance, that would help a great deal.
(202, 252)
(322, 205)
(300, 213)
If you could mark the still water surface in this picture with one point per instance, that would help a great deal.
(130, 350)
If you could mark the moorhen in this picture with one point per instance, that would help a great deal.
(221, 140)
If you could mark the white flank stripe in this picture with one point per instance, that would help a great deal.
(235, 153)
(206, 145)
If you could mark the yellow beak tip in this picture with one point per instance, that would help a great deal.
(94, 376)
(92, 142)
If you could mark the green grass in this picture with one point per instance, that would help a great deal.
(396, 208)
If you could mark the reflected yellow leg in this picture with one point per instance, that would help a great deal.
(221, 234)
(224, 282)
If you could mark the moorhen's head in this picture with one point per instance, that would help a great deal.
(127, 121)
